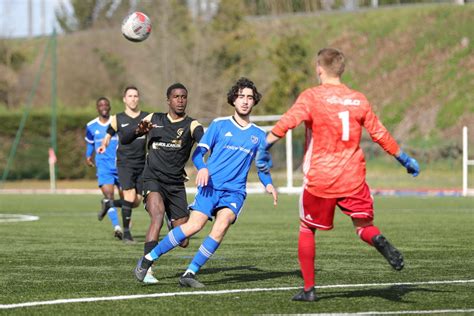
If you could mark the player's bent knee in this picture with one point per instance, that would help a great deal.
(137, 202)
(362, 222)
(218, 234)
(155, 211)
(190, 229)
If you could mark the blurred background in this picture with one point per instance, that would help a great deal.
(413, 59)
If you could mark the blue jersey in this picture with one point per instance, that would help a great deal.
(233, 148)
(95, 133)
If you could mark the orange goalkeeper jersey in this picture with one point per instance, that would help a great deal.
(334, 164)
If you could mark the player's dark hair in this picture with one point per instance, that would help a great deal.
(241, 84)
(176, 85)
(332, 60)
(129, 88)
(102, 99)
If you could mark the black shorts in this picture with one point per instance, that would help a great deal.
(130, 177)
(174, 197)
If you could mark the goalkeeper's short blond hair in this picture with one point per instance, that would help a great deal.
(332, 60)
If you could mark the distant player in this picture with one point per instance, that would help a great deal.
(334, 165)
(130, 158)
(170, 139)
(232, 142)
(107, 176)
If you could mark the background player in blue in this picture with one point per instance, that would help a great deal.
(233, 142)
(107, 177)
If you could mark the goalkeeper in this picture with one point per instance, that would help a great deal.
(334, 165)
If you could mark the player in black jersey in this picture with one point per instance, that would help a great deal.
(130, 157)
(170, 139)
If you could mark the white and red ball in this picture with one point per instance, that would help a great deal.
(136, 27)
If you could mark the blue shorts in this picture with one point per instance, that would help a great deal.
(108, 177)
(209, 201)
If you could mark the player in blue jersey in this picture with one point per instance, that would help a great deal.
(233, 142)
(107, 177)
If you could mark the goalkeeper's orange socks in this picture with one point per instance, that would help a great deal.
(306, 255)
(367, 233)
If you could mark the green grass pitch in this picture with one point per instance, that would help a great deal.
(68, 254)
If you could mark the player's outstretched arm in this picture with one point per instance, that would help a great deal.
(408, 162)
(144, 127)
(380, 135)
(105, 143)
(129, 135)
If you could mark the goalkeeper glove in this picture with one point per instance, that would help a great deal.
(408, 162)
(263, 159)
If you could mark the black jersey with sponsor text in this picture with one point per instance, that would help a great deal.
(134, 153)
(169, 145)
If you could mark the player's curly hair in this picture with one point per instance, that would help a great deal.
(243, 83)
(176, 85)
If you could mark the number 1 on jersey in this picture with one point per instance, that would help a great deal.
(344, 116)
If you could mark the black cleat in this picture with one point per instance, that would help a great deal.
(189, 280)
(305, 296)
(393, 256)
(127, 238)
(104, 208)
(141, 269)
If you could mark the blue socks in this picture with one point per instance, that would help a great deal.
(113, 216)
(172, 240)
(207, 249)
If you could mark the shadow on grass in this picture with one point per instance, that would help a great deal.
(140, 238)
(393, 293)
(242, 274)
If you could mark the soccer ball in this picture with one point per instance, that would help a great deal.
(136, 27)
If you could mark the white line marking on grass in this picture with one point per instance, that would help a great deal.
(433, 311)
(137, 296)
(10, 218)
